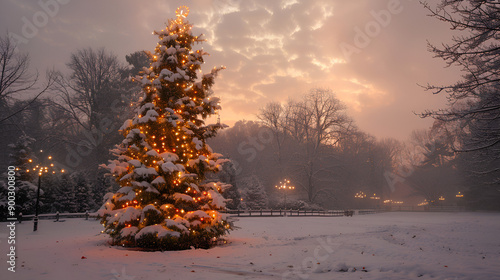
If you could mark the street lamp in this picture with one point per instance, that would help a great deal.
(284, 186)
(41, 170)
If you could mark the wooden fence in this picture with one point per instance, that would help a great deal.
(233, 213)
(426, 208)
(277, 212)
(58, 216)
(297, 213)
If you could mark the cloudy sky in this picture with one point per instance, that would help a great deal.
(371, 53)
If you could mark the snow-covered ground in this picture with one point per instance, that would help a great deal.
(378, 246)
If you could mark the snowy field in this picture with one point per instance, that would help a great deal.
(378, 246)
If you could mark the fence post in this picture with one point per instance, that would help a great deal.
(261, 211)
(280, 211)
(20, 217)
(57, 216)
(271, 212)
(87, 215)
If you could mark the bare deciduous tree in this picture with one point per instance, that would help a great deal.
(96, 97)
(274, 117)
(477, 51)
(95, 81)
(315, 122)
(15, 79)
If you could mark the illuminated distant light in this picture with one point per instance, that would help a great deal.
(30, 160)
(62, 170)
(50, 157)
(423, 203)
(41, 151)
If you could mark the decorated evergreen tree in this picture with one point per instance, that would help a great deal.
(163, 202)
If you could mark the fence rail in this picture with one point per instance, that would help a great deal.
(276, 212)
(296, 213)
(57, 216)
(434, 208)
(234, 213)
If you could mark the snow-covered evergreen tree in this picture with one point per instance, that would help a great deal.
(253, 193)
(163, 202)
(83, 197)
(23, 159)
(66, 201)
(228, 177)
(51, 194)
(101, 185)
(232, 194)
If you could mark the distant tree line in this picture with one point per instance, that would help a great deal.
(313, 143)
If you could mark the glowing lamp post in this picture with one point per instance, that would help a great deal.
(360, 195)
(41, 170)
(284, 186)
(460, 199)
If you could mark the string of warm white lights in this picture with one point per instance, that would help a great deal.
(162, 162)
